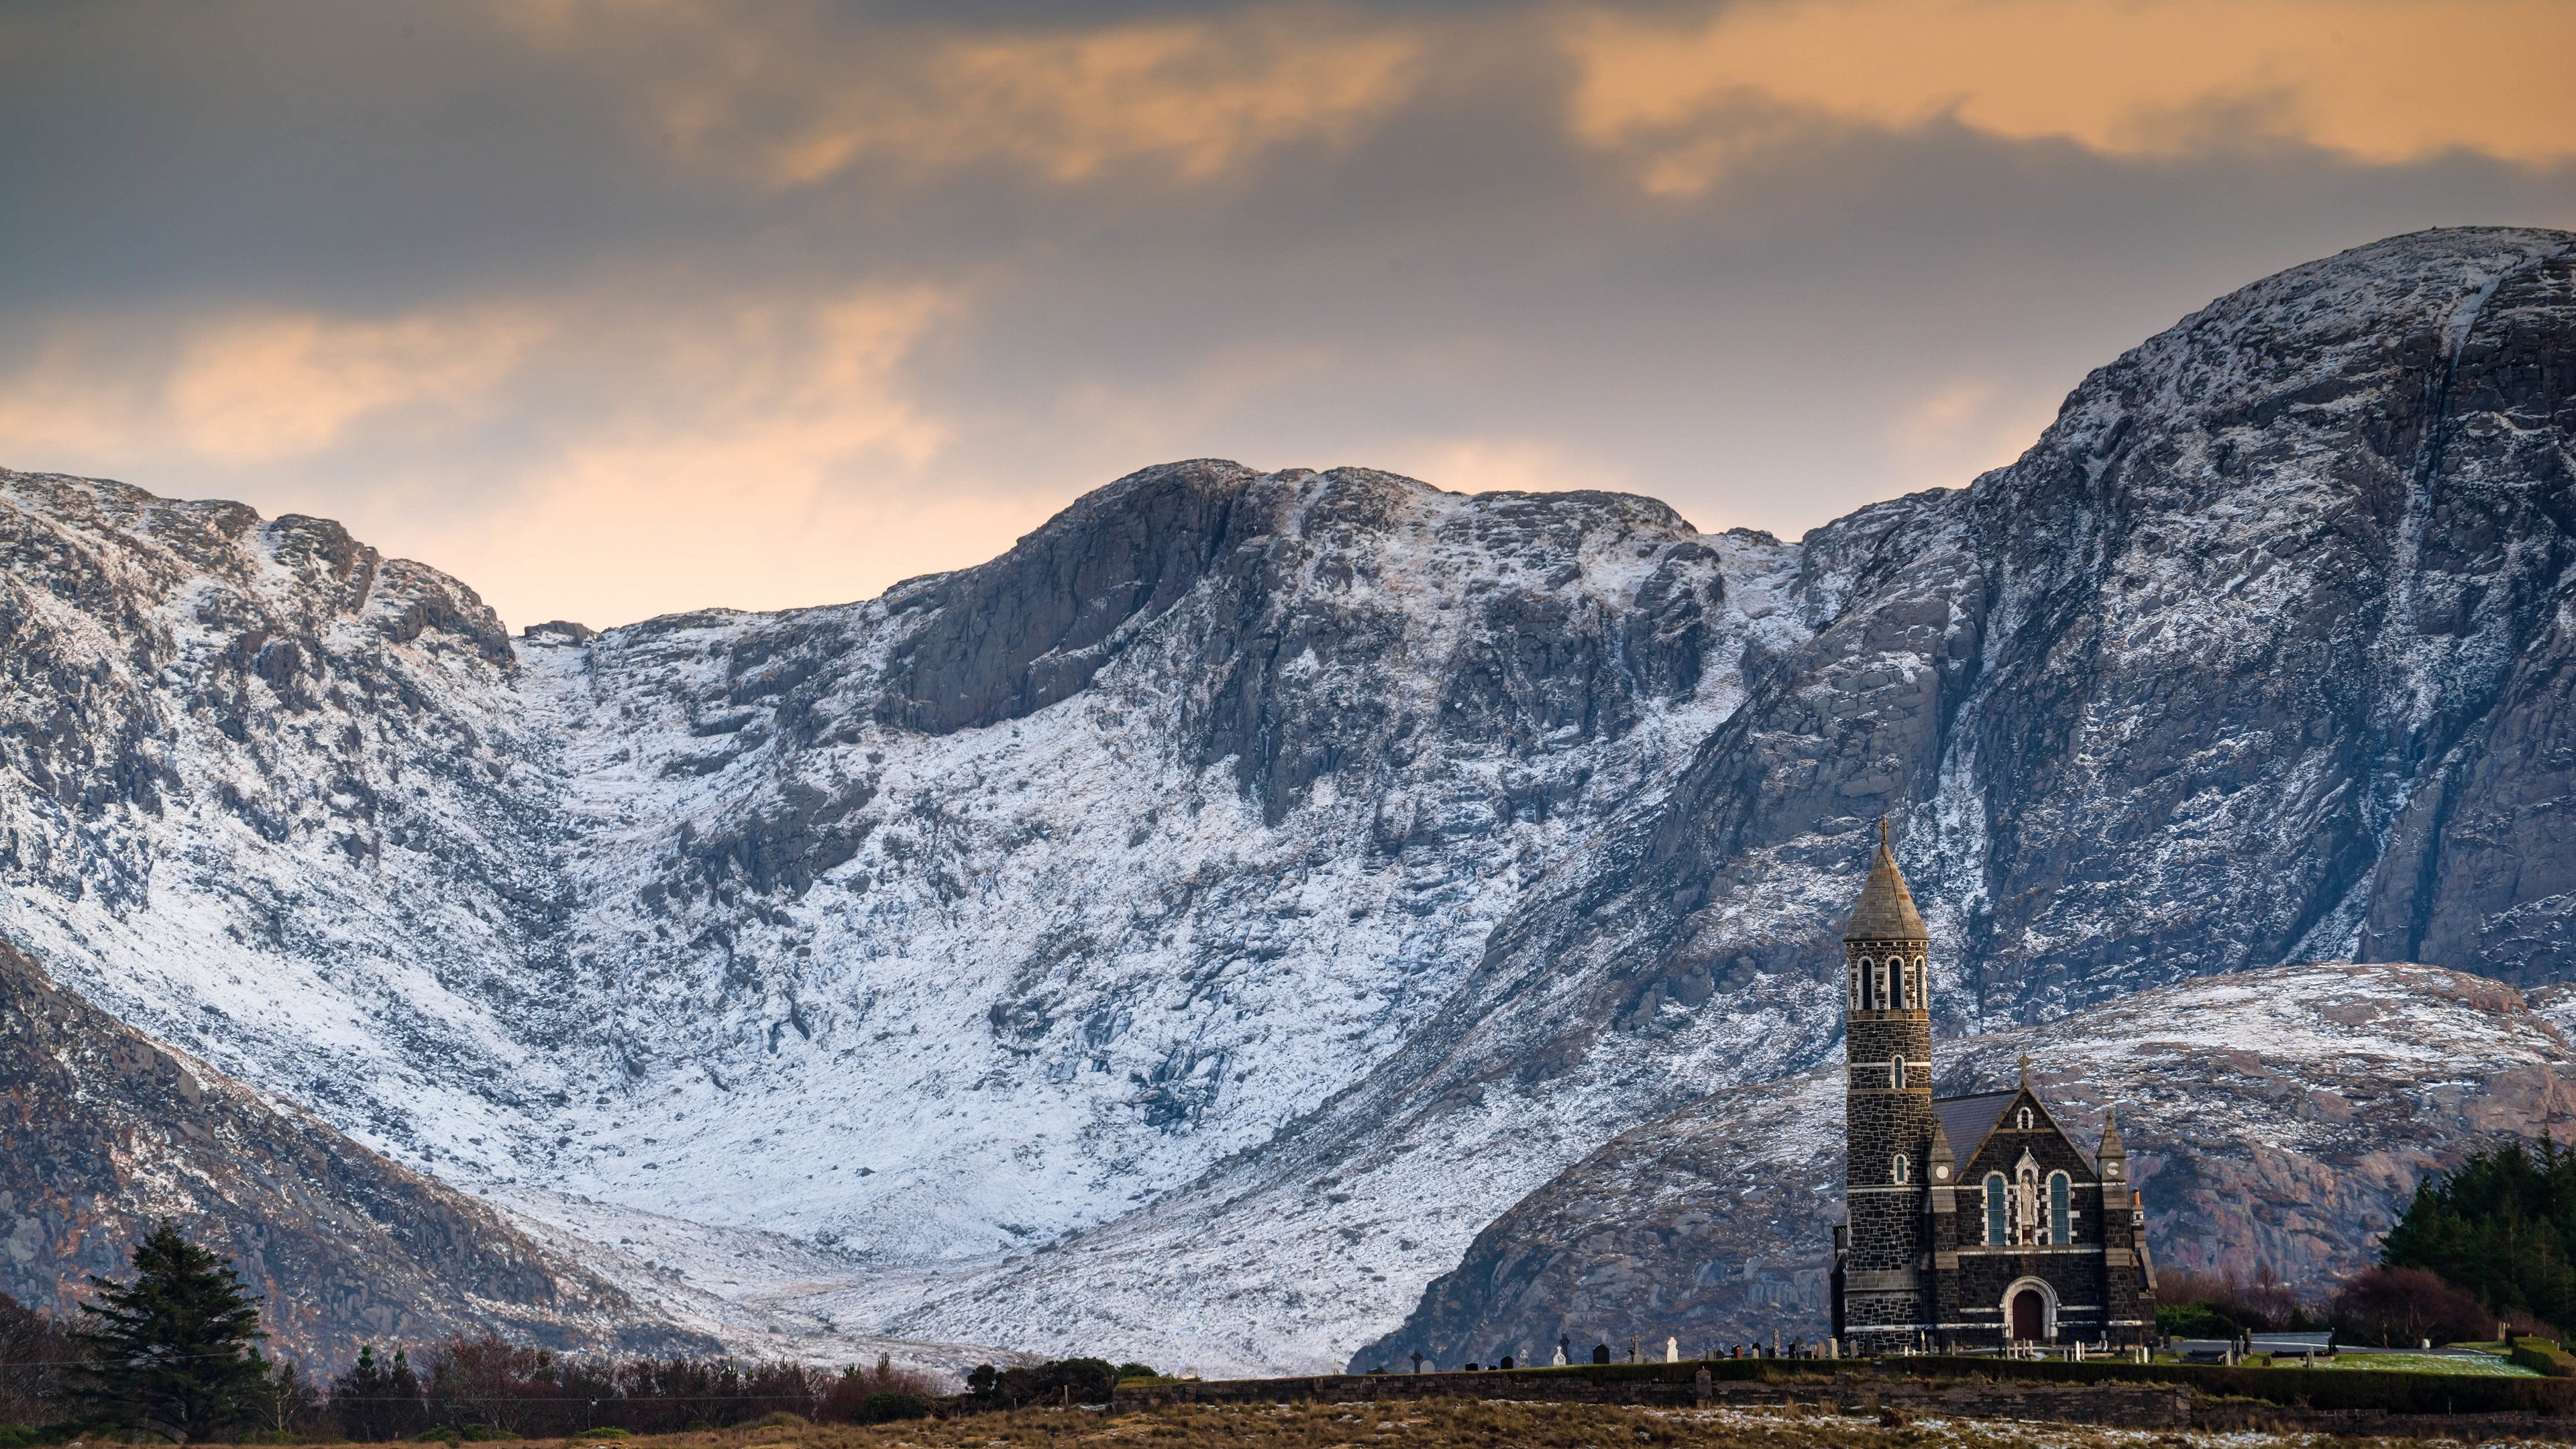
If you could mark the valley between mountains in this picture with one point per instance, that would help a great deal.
(1189, 935)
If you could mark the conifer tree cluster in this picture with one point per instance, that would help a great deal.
(2501, 1227)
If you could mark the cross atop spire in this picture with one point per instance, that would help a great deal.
(1885, 911)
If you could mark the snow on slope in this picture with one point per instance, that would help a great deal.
(270, 799)
(1064, 963)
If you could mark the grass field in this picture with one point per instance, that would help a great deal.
(2431, 1363)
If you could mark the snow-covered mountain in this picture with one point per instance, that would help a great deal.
(1182, 934)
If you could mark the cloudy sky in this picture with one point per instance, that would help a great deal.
(617, 307)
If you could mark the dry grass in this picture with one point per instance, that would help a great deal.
(1470, 1424)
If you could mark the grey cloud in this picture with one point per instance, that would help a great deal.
(1460, 269)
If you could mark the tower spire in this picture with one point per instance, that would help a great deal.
(1885, 911)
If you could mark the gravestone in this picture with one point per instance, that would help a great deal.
(1600, 1353)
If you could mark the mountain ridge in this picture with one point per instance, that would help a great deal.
(1312, 855)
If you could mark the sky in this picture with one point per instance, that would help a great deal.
(614, 308)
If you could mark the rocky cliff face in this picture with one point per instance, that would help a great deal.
(108, 1132)
(269, 796)
(2276, 1118)
(1313, 863)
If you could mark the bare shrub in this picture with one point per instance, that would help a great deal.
(2397, 1307)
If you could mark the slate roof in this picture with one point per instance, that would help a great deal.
(1967, 1120)
(1886, 908)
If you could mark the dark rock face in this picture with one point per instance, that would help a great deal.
(2279, 585)
(1034, 626)
(105, 1132)
(2277, 1117)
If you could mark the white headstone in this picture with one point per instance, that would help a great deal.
(1672, 1350)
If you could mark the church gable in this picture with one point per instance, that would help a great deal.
(2027, 1184)
(2021, 1123)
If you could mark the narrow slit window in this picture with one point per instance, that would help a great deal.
(2059, 1209)
(1998, 1231)
(1901, 1170)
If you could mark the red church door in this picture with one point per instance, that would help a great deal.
(2028, 1313)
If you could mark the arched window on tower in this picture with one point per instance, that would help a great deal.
(1914, 979)
(2060, 1210)
(1856, 967)
(1878, 985)
(1900, 1171)
(1998, 1229)
(1896, 1074)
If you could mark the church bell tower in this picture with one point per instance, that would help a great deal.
(1884, 1273)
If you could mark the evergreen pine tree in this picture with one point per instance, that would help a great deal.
(373, 1402)
(171, 1353)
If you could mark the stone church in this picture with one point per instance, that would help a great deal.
(1973, 1223)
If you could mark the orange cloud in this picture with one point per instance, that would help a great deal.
(767, 451)
(798, 101)
(260, 388)
(1495, 465)
(2381, 81)
(255, 387)
(1959, 429)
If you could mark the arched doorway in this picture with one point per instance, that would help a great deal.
(2029, 1316)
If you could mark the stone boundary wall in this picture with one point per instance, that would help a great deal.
(2126, 1406)
(1775, 1384)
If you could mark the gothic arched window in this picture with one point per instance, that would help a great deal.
(1900, 1170)
(2060, 1211)
(1914, 978)
(1896, 1074)
(1998, 1230)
